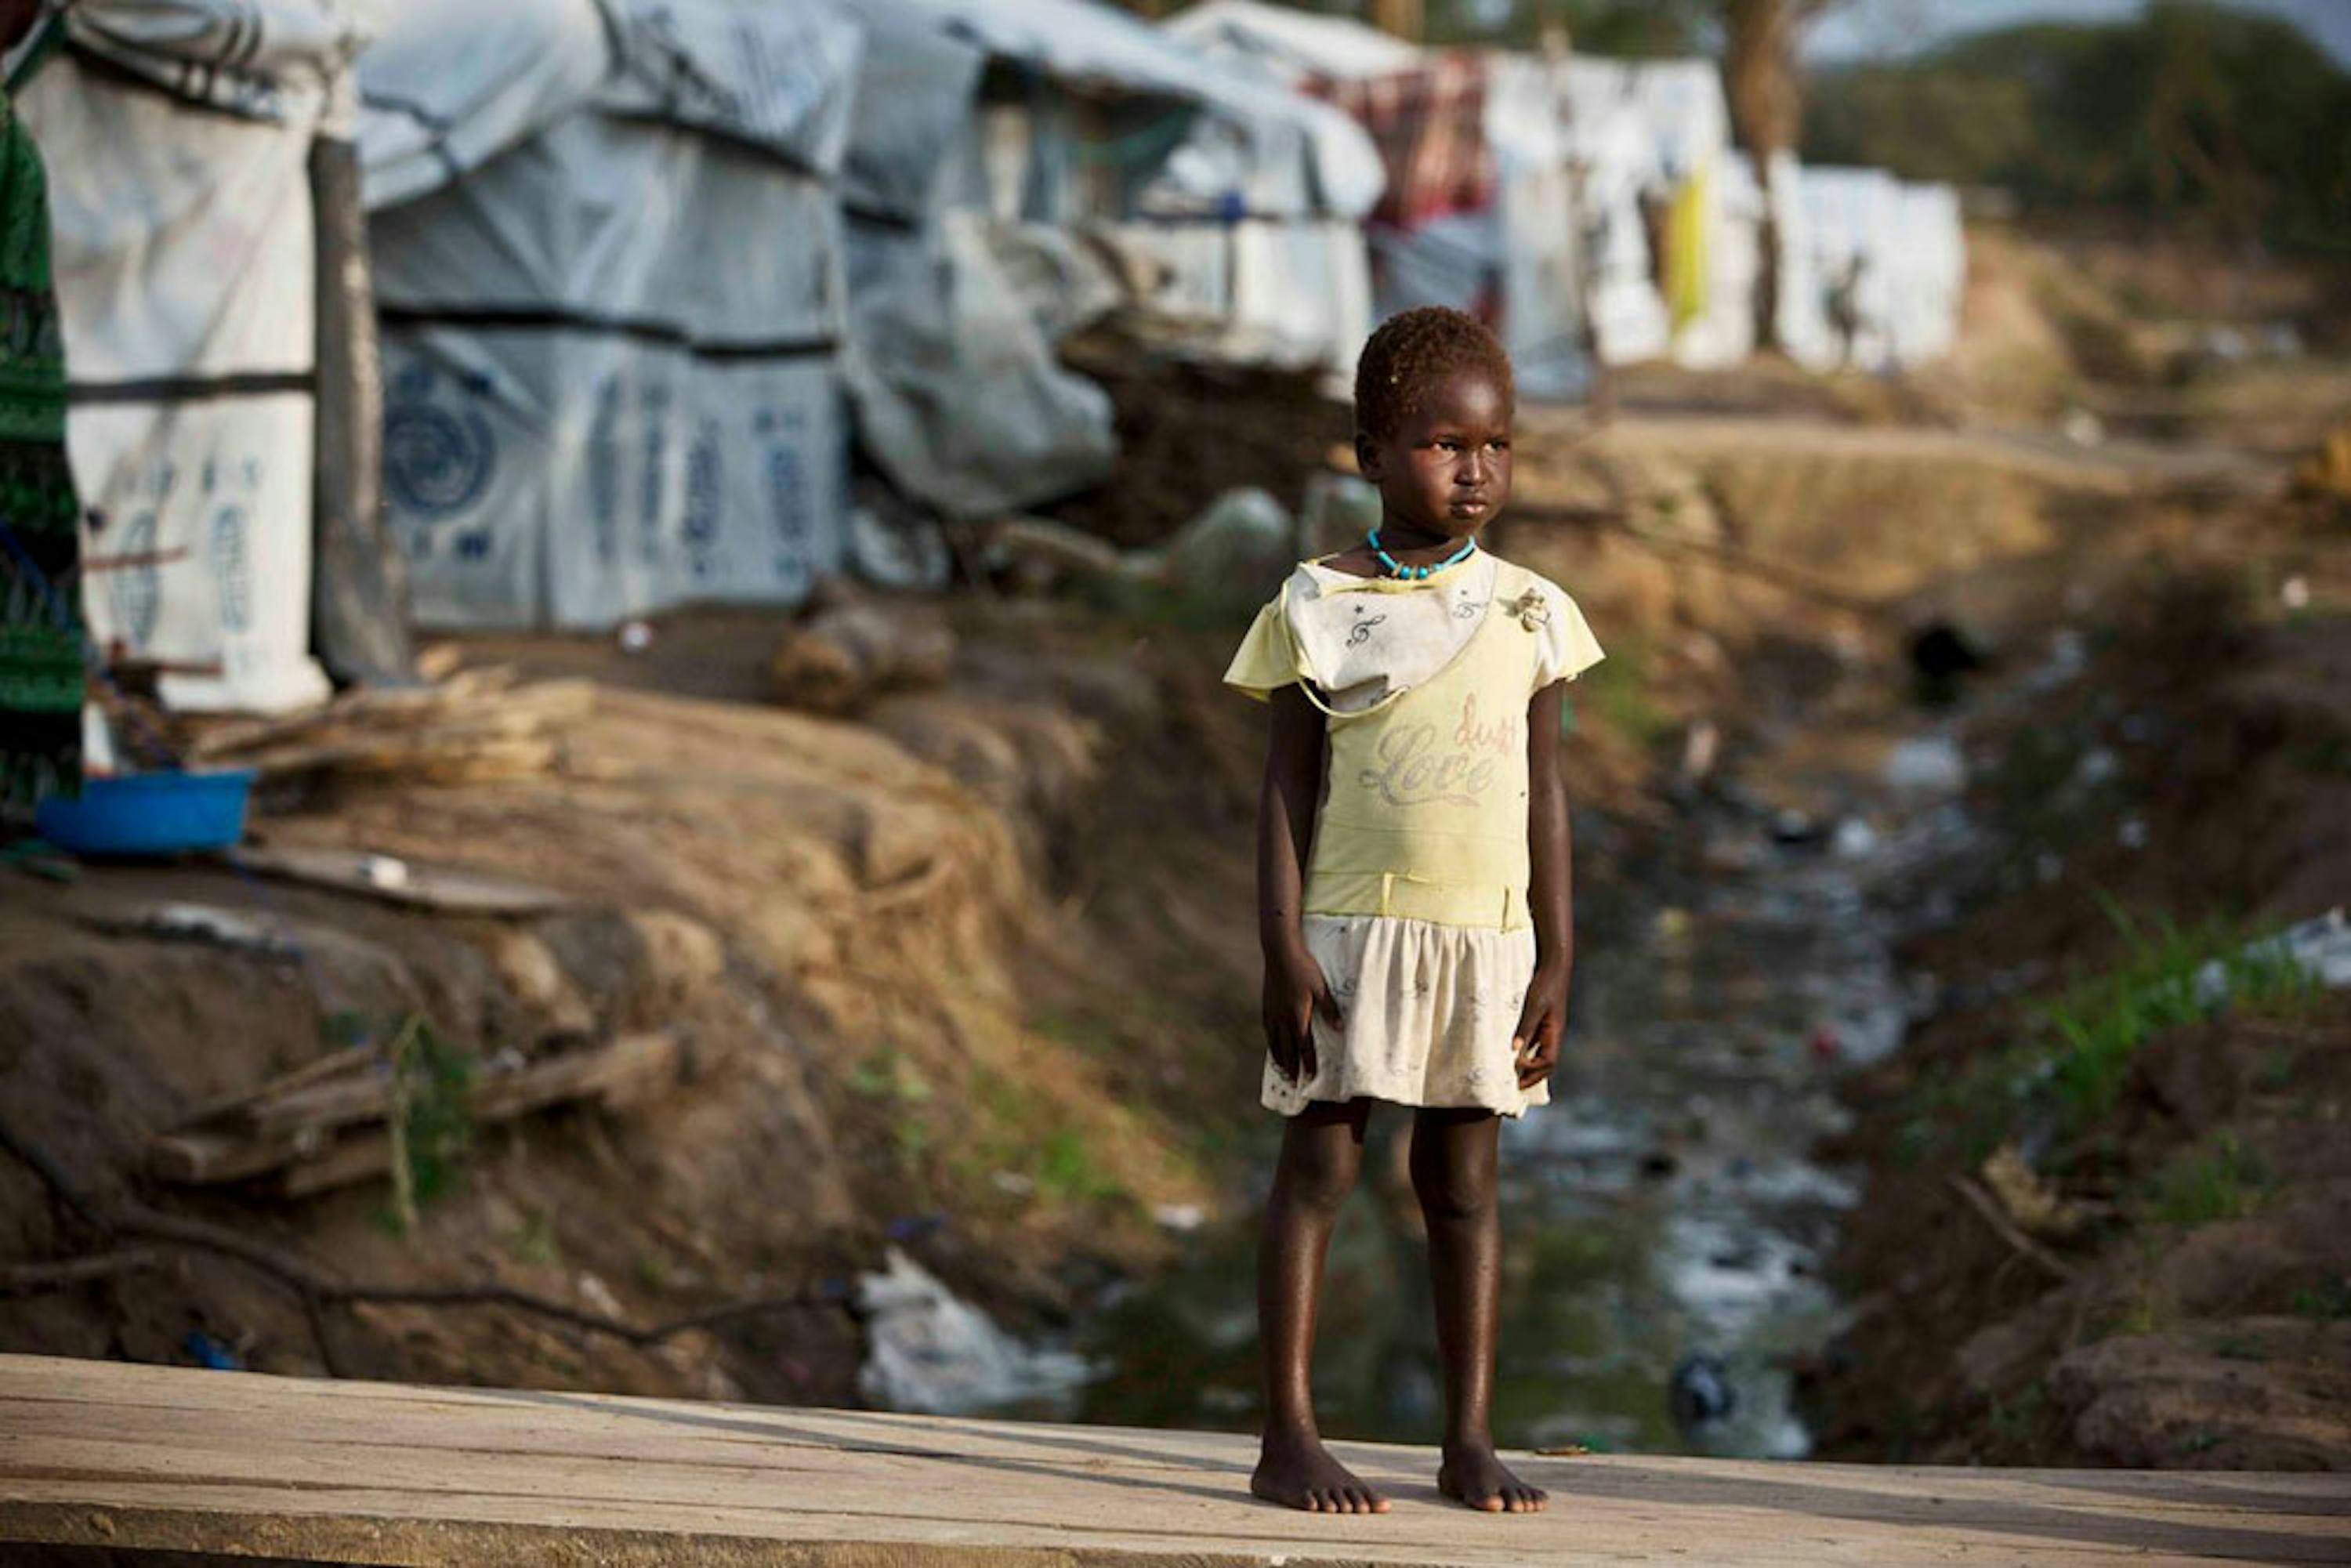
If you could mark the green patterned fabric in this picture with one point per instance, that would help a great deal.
(40, 621)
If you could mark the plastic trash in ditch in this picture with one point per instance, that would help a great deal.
(931, 1352)
(2320, 946)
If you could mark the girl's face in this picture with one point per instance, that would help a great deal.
(1445, 470)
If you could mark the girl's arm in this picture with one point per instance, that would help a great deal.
(1294, 986)
(1536, 1039)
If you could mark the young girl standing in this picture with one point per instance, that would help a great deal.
(1412, 880)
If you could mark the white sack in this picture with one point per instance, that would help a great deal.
(183, 248)
(1853, 220)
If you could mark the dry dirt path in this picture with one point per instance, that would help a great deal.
(2038, 455)
(143, 1458)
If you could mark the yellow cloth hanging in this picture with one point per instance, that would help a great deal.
(1688, 247)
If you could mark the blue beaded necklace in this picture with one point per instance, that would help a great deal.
(1397, 568)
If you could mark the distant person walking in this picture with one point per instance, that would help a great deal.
(41, 614)
(1413, 896)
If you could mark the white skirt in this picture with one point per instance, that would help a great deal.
(1426, 1013)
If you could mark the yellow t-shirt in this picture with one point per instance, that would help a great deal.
(1424, 809)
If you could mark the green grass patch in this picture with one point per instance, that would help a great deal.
(431, 1121)
(2078, 1047)
(1617, 691)
(1066, 1169)
(2014, 1419)
(886, 1075)
(2098, 1024)
(533, 1242)
(2217, 1179)
(1011, 1136)
(2327, 1303)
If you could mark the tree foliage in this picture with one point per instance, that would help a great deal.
(2233, 121)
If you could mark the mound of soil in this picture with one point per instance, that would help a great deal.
(837, 918)
(1190, 429)
(2161, 1274)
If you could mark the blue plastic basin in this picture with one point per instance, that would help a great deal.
(148, 813)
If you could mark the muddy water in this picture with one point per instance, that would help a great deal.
(1665, 1219)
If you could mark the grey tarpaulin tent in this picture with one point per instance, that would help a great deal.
(1057, 119)
(607, 256)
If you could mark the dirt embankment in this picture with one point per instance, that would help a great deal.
(860, 931)
(2109, 1222)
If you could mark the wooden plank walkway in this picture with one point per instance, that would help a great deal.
(144, 1457)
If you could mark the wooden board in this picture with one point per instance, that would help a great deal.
(450, 890)
(108, 1454)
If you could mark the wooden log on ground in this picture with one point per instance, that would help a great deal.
(328, 1131)
(853, 650)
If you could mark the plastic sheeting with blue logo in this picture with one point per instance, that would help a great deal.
(609, 350)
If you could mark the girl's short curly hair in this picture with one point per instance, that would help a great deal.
(1410, 352)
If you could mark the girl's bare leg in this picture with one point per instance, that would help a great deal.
(1453, 1175)
(1321, 1149)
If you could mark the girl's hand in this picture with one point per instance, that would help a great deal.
(1534, 1044)
(1295, 991)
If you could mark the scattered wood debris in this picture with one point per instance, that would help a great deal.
(328, 1123)
(477, 725)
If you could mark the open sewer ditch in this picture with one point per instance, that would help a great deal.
(1666, 1222)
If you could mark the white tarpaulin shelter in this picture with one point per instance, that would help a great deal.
(1931, 260)
(1012, 125)
(1517, 255)
(1799, 314)
(960, 399)
(1235, 143)
(1249, 196)
(177, 135)
(1653, 136)
(609, 268)
(1887, 264)
(1611, 154)
(1850, 218)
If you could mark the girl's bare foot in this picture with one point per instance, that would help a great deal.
(1298, 1471)
(1471, 1474)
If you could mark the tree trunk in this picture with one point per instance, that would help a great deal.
(359, 579)
(1405, 18)
(1766, 111)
